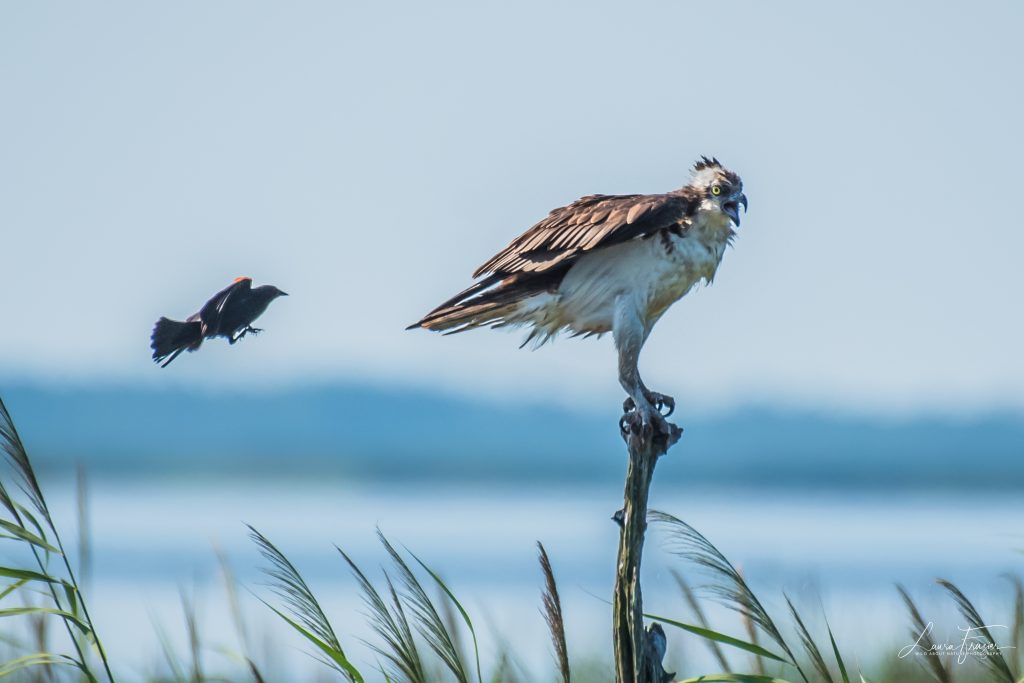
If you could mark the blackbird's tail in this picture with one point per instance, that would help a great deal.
(171, 337)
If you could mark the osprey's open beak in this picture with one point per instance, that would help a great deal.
(732, 208)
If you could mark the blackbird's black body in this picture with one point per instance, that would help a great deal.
(230, 313)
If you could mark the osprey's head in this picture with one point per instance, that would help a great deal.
(719, 188)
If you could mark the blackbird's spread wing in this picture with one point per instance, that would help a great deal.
(210, 314)
(586, 224)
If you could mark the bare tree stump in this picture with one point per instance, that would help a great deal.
(638, 652)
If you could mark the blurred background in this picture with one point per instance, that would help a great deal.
(851, 386)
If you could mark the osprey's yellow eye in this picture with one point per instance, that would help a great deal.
(716, 190)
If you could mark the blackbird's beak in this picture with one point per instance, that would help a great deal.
(280, 293)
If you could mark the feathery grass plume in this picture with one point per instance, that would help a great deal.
(503, 672)
(254, 670)
(994, 661)
(751, 629)
(237, 619)
(23, 526)
(425, 615)
(392, 625)
(510, 668)
(553, 613)
(462, 611)
(698, 612)
(17, 456)
(921, 632)
(450, 620)
(167, 650)
(813, 653)
(188, 608)
(733, 591)
(84, 538)
(307, 617)
(1017, 635)
(409, 640)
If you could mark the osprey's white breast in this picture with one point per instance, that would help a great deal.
(657, 271)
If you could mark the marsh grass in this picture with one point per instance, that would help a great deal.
(25, 506)
(919, 629)
(822, 665)
(422, 631)
(553, 614)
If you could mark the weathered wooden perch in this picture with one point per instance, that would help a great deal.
(638, 652)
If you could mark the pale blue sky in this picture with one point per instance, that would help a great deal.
(366, 157)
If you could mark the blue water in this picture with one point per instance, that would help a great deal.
(837, 552)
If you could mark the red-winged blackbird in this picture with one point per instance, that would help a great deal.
(230, 313)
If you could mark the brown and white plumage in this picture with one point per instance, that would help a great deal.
(604, 263)
(538, 260)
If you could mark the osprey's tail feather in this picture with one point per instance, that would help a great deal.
(171, 337)
(484, 305)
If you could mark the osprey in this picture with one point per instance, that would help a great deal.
(230, 313)
(606, 263)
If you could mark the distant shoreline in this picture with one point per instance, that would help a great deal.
(359, 433)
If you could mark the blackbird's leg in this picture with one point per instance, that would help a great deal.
(248, 329)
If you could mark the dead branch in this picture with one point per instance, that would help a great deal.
(638, 652)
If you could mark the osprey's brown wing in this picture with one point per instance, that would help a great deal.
(537, 260)
(586, 224)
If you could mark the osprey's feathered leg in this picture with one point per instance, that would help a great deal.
(643, 407)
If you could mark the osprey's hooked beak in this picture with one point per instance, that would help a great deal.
(732, 208)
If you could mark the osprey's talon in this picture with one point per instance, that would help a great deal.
(631, 423)
(665, 405)
(251, 329)
(649, 421)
